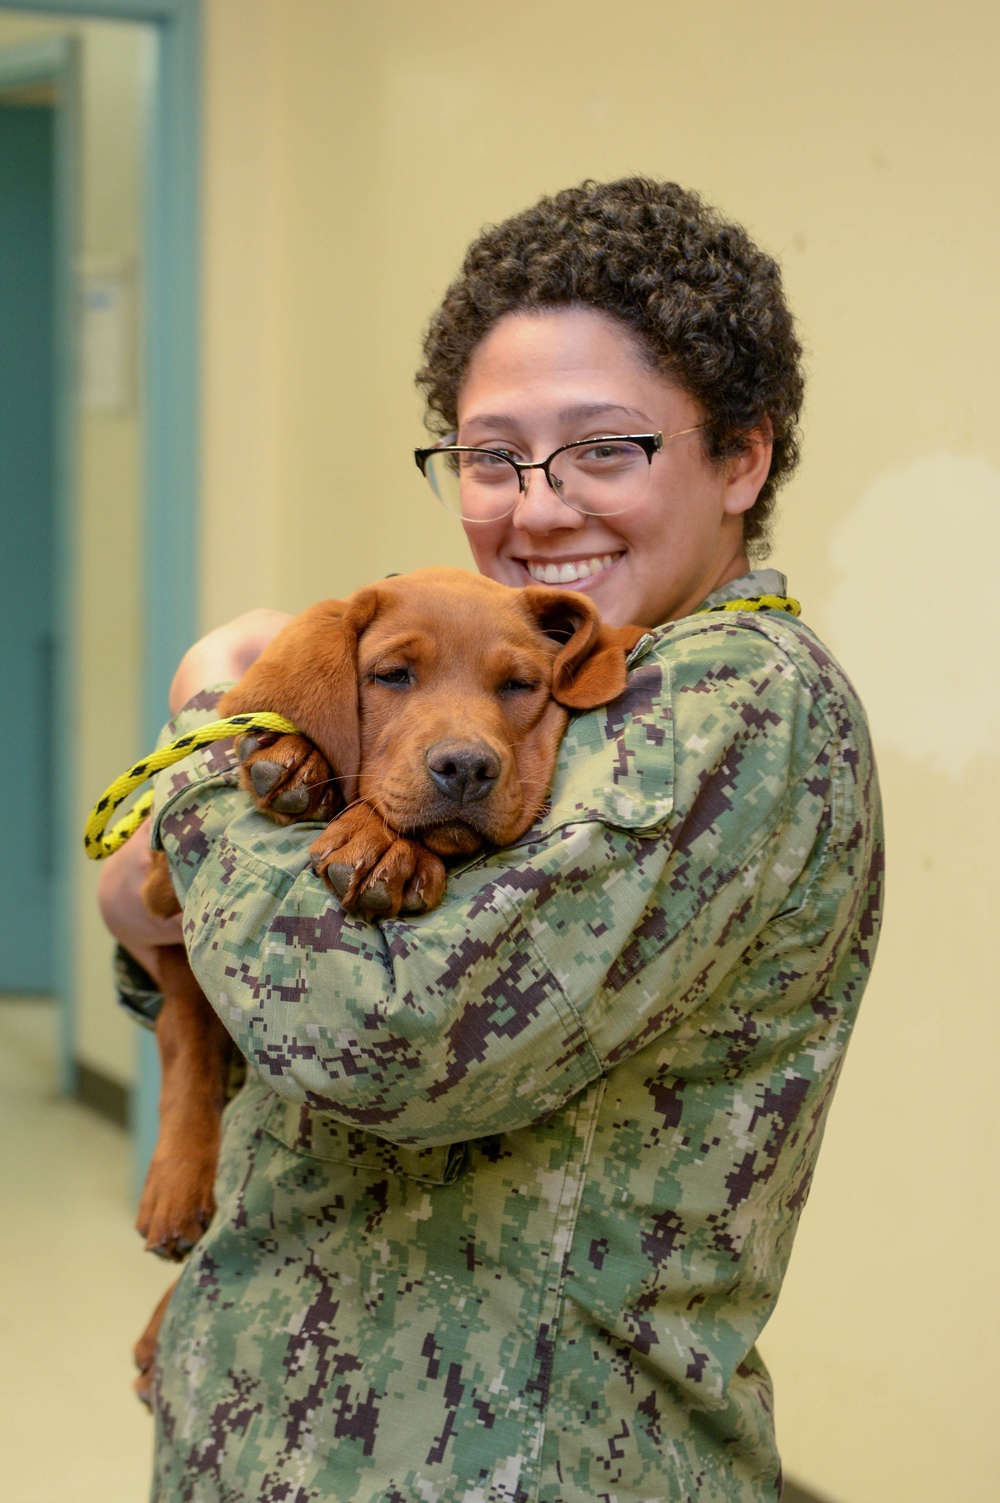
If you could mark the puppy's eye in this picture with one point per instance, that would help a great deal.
(518, 686)
(393, 678)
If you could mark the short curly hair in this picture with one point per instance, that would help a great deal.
(706, 305)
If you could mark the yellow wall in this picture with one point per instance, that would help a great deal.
(114, 69)
(352, 151)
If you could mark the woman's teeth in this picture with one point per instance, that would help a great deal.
(569, 573)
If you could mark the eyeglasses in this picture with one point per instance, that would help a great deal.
(597, 476)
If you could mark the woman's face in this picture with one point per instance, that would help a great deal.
(539, 380)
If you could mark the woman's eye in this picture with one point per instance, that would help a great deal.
(488, 459)
(608, 452)
(393, 678)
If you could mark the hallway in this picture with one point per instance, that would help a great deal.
(76, 1288)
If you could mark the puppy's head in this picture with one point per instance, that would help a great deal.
(440, 697)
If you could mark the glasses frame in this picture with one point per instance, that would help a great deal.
(649, 443)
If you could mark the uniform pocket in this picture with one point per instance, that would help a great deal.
(616, 764)
(318, 1136)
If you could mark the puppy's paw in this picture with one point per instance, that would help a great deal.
(288, 779)
(177, 1204)
(144, 1351)
(374, 870)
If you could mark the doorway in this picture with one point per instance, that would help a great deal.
(132, 620)
(28, 529)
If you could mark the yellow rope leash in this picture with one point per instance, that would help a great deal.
(96, 843)
(758, 603)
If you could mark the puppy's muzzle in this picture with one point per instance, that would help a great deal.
(463, 771)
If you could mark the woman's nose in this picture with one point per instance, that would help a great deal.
(539, 507)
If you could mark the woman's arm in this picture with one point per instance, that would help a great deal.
(221, 656)
(545, 965)
(119, 896)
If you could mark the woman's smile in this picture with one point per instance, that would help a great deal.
(569, 571)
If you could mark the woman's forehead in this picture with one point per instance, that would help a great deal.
(576, 364)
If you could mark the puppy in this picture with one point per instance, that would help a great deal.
(431, 707)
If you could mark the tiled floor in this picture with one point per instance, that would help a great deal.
(76, 1287)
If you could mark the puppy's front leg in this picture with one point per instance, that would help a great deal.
(288, 779)
(373, 869)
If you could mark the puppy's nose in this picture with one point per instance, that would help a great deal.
(463, 770)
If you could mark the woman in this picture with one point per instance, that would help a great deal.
(594, 1081)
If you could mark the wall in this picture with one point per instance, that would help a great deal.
(115, 66)
(106, 619)
(352, 150)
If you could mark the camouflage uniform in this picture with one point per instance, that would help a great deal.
(511, 1189)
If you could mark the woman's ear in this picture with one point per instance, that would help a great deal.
(747, 471)
(309, 674)
(589, 669)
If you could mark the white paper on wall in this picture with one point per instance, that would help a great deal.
(106, 339)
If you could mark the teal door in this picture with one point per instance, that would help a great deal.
(27, 533)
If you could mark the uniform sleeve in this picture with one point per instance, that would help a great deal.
(683, 818)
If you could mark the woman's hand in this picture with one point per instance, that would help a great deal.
(119, 896)
(225, 654)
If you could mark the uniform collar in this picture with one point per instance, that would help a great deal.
(756, 582)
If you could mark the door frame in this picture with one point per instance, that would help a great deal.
(171, 309)
(171, 555)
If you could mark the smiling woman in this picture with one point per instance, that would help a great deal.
(512, 1186)
(703, 304)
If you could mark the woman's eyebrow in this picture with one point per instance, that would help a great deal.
(578, 413)
(597, 409)
(491, 420)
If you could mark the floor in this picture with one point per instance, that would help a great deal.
(76, 1288)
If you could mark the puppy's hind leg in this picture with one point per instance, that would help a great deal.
(144, 1350)
(177, 1200)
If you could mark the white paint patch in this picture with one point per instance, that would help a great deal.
(913, 615)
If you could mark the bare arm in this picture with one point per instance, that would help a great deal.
(224, 655)
(221, 656)
(119, 896)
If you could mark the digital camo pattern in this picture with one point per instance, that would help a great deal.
(512, 1187)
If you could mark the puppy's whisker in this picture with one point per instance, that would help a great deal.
(382, 816)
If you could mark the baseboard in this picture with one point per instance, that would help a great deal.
(794, 1492)
(102, 1094)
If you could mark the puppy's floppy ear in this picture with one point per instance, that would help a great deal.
(309, 674)
(589, 669)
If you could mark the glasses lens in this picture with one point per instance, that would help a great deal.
(474, 484)
(602, 476)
